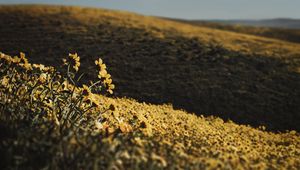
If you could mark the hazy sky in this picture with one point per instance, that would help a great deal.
(190, 9)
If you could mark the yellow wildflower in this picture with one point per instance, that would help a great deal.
(26, 65)
(99, 61)
(41, 67)
(104, 76)
(76, 59)
(5, 81)
(65, 61)
(125, 128)
(43, 78)
(86, 90)
(16, 60)
(89, 96)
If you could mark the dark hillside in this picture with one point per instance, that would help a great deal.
(157, 65)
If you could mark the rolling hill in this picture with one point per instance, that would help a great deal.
(280, 33)
(247, 79)
(274, 23)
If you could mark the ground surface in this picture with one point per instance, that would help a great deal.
(291, 35)
(247, 79)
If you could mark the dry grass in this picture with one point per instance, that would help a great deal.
(290, 35)
(248, 79)
(157, 61)
(158, 27)
(128, 134)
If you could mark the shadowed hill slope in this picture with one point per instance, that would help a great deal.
(247, 79)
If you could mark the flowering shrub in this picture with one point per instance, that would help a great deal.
(48, 98)
(53, 114)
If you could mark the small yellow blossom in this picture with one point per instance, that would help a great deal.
(41, 67)
(5, 81)
(104, 76)
(86, 90)
(99, 61)
(43, 78)
(125, 127)
(25, 64)
(76, 59)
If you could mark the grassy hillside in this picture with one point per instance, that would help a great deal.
(291, 35)
(48, 123)
(247, 79)
(288, 23)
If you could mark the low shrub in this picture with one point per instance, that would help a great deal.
(52, 105)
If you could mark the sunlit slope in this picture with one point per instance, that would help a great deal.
(248, 79)
(161, 138)
(161, 28)
(291, 35)
(47, 122)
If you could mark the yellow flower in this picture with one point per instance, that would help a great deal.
(112, 86)
(102, 74)
(86, 90)
(49, 69)
(65, 61)
(110, 91)
(27, 66)
(22, 56)
(76, 67)
(107, 81)
(16, 60)
(41, 67)
(125, 128)
(5, 81)
(49, 103)
(94, 99)
(25, 63)
(76, 60)
(89, 96)
(43, 78)
(103, 66)
(99, 61)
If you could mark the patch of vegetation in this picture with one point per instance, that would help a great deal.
(52, 117)
(291, 35)
(47, 121)
(247, 79)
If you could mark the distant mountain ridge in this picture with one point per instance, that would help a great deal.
(276, 23)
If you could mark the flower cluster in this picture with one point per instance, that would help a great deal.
(51, 92)
(104, 76)
(74, 60)
(21, 61)
(26, 65)
(9, 59)
(89, 96)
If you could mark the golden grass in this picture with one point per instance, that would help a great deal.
(290, 35)
(157, 61)
(128, 134)
(136, 135)
(230, 40)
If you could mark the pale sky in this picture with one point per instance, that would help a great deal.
(190, 9)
